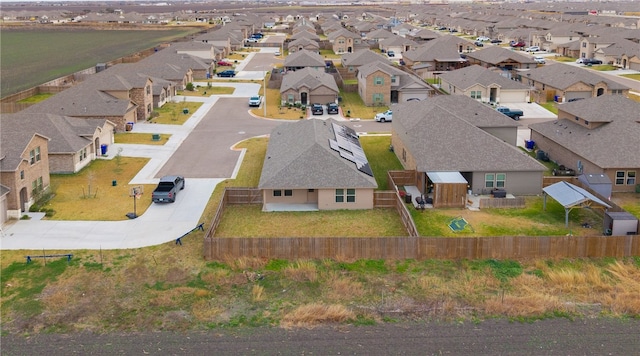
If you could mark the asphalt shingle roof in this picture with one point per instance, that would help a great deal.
(469, 76)
(309, 77)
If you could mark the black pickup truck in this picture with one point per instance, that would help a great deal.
(167, 189)
(514, 114)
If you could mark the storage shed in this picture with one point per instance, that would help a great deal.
(448, 189)
(620, 223)
(599, 182)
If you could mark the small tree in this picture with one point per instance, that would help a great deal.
(189, 87)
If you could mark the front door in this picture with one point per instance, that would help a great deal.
(492, 94)
(303, 98)
(23, 199)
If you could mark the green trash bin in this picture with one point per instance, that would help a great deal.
(185, 111)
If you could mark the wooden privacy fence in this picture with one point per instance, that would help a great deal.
(517, 202)
(421, 248)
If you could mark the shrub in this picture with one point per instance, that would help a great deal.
(189, 87)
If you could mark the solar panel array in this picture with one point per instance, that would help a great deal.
(347, 143)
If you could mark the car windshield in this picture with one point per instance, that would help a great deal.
(255, 98)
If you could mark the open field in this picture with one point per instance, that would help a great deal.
(54, 53)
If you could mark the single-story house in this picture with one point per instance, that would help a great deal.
(315, 165)
(484, 84)
(451, 133)
(307, 86)
(304, 59)
(597, 135)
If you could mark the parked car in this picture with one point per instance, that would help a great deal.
(317, 109)
(252, 40)
(512, 113)
(384, 116)
(478, 43)
(167, 189)
(517, 44)
(257, 35)
(483, 38)
(225, 63)
(255, 101)
(574, 99)
(226, 73)
(391, 54)
(277, 53)
(533, 49)
(539, 59)
(563, 171)
(495, 40)
(332, 108)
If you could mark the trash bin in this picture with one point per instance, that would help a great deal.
(103, 149)
(407, 198)
(129, 126)
(114, 183)
(528, 144)
(185, 111)
(556, 98)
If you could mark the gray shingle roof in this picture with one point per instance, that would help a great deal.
(615, 144)
(444, 48)
(562, 76)
(312, 78)
(299, 157)
(496, 55)
(444, 133)
(14, 141)
(359, 58)
(466, 77)
(304, 58)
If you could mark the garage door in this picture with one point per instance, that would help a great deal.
(402, 97)
(322, 99)
(634, 66)
(577, 94)
(513, 96)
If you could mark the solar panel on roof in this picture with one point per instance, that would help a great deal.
(347, 144)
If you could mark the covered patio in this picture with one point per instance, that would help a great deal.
(571, 197)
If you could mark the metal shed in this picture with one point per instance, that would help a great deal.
(599, 182)
(620, 223)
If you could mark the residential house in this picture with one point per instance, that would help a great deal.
(630, 61)
(303, 44)
(304, 59)
(73, 142)
(24, 169)
(380, 83)
(316, 165)
(563, 82)
(593, 136)
(457, 134)
(397, 44)
(352, 61)
(503, 58)
(343, 41)
(484, 84)
(378, 35)
(421, 35)
(304, 34)
(613, 54)
(307, 86)
(588, 45)
(438, 55)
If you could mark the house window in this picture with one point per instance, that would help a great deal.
(36, 185)
(476, 94)
(351, 195)
(393, 79)
(83, 154)
(339, 195)
(148, 90)
(290, 98)
(277, 193)
(21, 174)
(489, 180)
(378, 80)
(584, 45)
(378, 97)
(628, 178)
(38, 154)
(32, 156)
(500, 179)
(288, 193)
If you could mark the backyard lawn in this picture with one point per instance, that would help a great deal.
(353, 106)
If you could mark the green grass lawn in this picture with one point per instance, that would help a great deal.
(207, 91)
(140, 138)
(36, 98)
(604, 67)
(564, 59)
(551, 106)
(635, 76)
(328, 54)
(380, 158)
(173, 113)
(353, 104)
(53, 53)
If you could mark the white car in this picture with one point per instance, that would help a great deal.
(483, 39)
(277, 53)
(384, 116)
(533, 49)
(255, 100)
(252, 40)
(539, 59)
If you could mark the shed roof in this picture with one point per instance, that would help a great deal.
(569, 195)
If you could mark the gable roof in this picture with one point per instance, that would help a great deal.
(497, 54)
(359, 58)
(299, 156)
(373, 67)
(15, 140)
(444, 133)
(343, 32)
(443, 49)
(467, 77)
(614, 144)
(562, 76)
(304, 58)
(309, 77)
